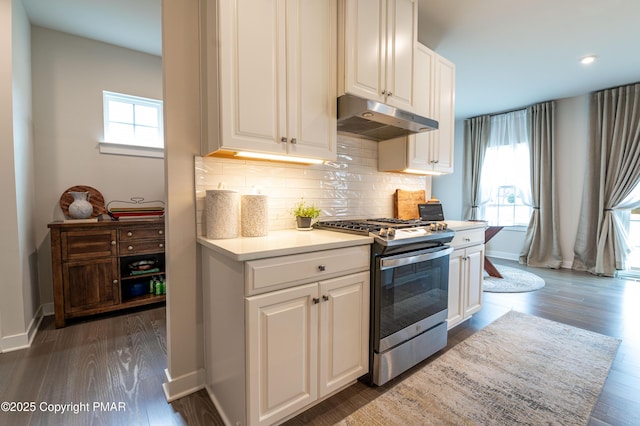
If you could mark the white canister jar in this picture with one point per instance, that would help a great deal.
(254, 215)
(222, 213)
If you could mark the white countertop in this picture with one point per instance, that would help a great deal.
(461, 225)
(282, 243)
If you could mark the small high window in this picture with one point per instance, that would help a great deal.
(132, 125)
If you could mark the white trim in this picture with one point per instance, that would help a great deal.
(132, 150)
(48, 309)
(175, 388)
(22, 340)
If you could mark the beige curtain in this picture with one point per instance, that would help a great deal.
(476, 139)
(542, 243)
(612, 174)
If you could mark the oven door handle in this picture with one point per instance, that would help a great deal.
(401, 261)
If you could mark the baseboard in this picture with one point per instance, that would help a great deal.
(22, 340)
(566, 264)
(502, 255)
(47, 309)
(177, 387)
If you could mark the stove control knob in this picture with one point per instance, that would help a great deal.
(433, 226)
(391, 232)
(383, 232)
(444, 225)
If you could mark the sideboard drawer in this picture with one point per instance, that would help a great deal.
(134, 234)
(141, 247)
(275, 273)
(88, 244)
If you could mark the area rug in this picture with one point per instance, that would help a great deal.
(513, 281)
(520, 369)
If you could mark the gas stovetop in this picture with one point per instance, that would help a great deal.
(389, 231)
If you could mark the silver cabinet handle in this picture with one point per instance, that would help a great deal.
(322, 268)
(294, 141)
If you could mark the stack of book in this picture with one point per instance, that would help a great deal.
(128, 213)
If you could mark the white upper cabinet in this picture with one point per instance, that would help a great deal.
(377, 42)
(429, 152)
(269, 73)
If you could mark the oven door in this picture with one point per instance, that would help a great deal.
(410, 295)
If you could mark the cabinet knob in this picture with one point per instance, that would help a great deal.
(384, 92)
(130, 234)
(115, 281)
(315, 300)
(389, 94)
(160, 245)
(467, 239)
(283, 139)
(325, 297)
(322, 268)
(130, 248)
(113, 243)
(294, 141)
(161, 232)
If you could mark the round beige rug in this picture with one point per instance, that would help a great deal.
(514, 281)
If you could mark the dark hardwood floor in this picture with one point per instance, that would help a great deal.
(121, 359)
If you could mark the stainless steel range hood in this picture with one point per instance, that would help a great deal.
(377, 121)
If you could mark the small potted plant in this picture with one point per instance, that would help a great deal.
(304, 214)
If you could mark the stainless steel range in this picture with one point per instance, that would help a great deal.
(409, 291)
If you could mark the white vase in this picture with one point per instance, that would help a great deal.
(80, 208)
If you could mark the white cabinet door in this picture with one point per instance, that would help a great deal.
(456, 282)
(365, 48)
(270, 77)
(419, 146)
(344, 331)
(377, 53)
(311, 78)
(444, 112)
(402, 30)
(473, 289)
(252, 71)
(282, 350)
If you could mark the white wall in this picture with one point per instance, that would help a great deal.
(572, 125)
(350, 187)
(69, 75)
(18, 286)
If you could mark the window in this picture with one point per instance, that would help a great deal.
(505, 184)
(132, 125)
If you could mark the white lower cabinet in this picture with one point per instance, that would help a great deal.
(270, 355)
(304, 343)
(466, 267)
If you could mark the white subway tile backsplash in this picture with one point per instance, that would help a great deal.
(349, 187)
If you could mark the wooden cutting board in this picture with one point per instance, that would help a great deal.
(405, 205)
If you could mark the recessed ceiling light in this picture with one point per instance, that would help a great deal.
(588, 59)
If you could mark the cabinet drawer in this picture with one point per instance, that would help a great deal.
(140, 247)
(135, 234)
(88, 244)
(285, 271)
(468, 237)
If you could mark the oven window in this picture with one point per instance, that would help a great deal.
(411, 293)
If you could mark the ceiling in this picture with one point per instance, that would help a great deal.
(508, 54)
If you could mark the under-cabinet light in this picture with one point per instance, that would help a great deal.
(274, 157)
(422, 172)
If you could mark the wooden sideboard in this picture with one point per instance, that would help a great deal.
(98, 267)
